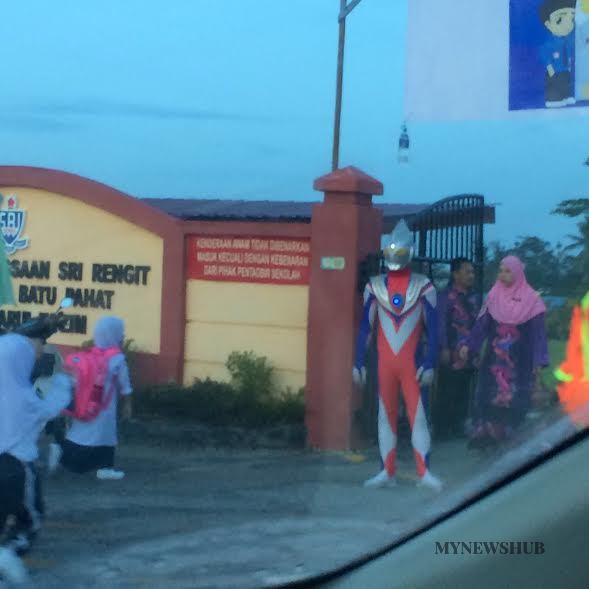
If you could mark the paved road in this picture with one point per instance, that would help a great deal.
(190, 517)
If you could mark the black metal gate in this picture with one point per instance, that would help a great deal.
(451, 228)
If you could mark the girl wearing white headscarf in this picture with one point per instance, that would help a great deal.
(90, 445)
(23, 415)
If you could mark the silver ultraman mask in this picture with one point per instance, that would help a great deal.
(399, 249)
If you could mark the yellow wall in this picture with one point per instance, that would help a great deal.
(225, 317)
(64, 229)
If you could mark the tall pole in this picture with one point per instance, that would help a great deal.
(339, 85)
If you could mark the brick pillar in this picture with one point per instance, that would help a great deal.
(347, 226)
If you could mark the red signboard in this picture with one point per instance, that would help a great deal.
(265, 260)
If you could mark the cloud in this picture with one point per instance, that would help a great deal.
(110, 108)
(33, 123)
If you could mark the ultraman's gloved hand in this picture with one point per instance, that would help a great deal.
(425, 376)
(359, 376)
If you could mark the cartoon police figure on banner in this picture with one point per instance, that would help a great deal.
(549, 54)
(558, 51)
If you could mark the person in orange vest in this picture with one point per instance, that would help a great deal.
(573, 373)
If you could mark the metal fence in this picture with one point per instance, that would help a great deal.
(450, 228)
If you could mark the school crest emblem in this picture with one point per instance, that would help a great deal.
(12, 223)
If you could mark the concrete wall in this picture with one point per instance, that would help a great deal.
(62, 230)
(223, 317)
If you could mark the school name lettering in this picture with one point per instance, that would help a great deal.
(82, 297)
(273, 261)
(120, 274)
(75, 324)
(70, 272)
(74, 272)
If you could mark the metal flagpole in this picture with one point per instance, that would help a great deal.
(345, 10)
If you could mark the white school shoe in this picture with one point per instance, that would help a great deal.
(109, 474)
(430, 481)
(12, 568)
(382, 479)
(54, 457)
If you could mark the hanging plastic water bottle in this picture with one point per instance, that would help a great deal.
(403, 153)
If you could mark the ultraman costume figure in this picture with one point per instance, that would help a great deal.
(399, 304)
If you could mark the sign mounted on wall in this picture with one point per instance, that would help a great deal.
(105, 263)
(12, 223)
(249, 259)
(333, 263)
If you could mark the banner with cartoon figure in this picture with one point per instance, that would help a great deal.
(497, 59)
(548, 46)
(582, 51)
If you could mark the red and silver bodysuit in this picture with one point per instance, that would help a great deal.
(400, 303)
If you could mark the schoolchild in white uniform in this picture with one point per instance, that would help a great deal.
(23, 415)
(90, 445)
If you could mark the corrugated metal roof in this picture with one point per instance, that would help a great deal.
(260, 210)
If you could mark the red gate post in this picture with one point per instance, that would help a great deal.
(344, 229)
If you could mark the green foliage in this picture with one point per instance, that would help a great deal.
(578, 248)
(249, 400)
(573, 207)
(219, 404)
(558, 321)
(251, 375)
(206, 400)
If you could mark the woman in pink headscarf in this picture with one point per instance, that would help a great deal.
(512, 323)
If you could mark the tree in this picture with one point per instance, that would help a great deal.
(567, 283)
(541, 266)
(573, 207)
(494, 253)
(578, 248)
(547, 268)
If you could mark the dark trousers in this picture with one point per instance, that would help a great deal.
(82, 459)
(20, 497)
(558, 87)
(56, 428)
(452, 400)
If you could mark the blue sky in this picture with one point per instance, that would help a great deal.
(226, 98)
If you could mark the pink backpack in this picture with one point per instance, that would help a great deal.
(90, 369)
